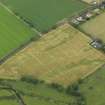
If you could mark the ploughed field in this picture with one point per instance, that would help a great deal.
(95, 27)
(43, 14)
(62, 56)
(13, 32)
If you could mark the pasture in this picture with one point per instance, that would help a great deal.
(45, 14)
(39, 93)
(13, 32)
(93, 88)
(7, 98)
(95, 27)
(8, 102)
(63, 56)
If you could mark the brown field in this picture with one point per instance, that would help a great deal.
(63, 56)
(95, 27)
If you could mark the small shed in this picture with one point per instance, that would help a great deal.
(80, 18)
(74, 21)
(89, 15)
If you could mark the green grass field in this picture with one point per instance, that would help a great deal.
(45, 14)
(39, 94)
(6, 98)
(93, 88)
(13, 32)
(95, 27)
(8, 102)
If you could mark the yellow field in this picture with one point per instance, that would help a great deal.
(90, 1)
(63, 55)
(95, 27)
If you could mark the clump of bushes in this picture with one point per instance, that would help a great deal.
(99, 44)
(74, 90)
(30, 79)
(56, 86)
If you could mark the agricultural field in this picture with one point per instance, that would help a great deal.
(63, 56)
(45, 14)
(90, 1)
(7, 98)
(47, 60)
(90, 27)
(13, 32)
(93, 88)
(39, 93)
(8, 102)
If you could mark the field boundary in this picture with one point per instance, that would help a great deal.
(14, 51)
(17, 95)
(92, 73)
(24, 44)
(11, 12)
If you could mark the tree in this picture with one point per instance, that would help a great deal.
(57, 86)
(73, 90)
(30, 79)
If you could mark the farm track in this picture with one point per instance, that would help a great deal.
(18, 96)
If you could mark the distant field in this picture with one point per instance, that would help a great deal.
(95, 27)
(90, 1)
(93, 88)
(61, 56)
(87, 1)
(13, 32)
(45, 13)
